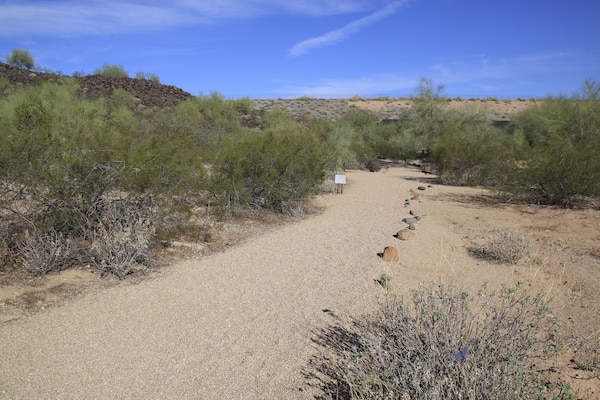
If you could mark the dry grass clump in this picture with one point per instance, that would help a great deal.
(443, 344)
(121, 242)
(505, 247)
(47, 252)
(587, 355)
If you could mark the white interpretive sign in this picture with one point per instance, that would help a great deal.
(340, 181)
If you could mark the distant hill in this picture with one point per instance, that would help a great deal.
(154, 94)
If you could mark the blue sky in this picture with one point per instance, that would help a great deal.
(318, 48)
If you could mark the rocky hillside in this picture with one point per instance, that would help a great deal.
(150, 93)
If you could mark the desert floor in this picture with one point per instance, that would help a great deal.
(239, 323)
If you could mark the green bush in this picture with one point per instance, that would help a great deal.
(147, 76)
(63, 156)
(26, 136)
(209, 119)
(20, 59)
(443, 344)
(471, 155)
(113, 70)
(559, 164)
(274, 170)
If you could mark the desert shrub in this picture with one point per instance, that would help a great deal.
(442, 344)
(113, 70)
(20, 59)
(505, 247)
(338, 145)
(208, 119)
(426, 118)
(562, 138)
(386, 149)
(121, 239)
(359, 118)
(363, 152)
(272, 170)
(147, 76)
(26, 122)
(471, 154)
(61, 156)
(47, 252)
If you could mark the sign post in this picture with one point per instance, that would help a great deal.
(340, 181)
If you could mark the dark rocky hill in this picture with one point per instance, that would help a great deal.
(150, 93)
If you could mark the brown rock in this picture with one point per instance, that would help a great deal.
(405, 234)
(390, 253)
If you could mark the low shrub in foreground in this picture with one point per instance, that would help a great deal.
(443, 344)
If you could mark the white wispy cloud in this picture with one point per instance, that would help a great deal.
(338, 35)
(67, 18)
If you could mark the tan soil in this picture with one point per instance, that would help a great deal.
(496, 109)
(238, 323)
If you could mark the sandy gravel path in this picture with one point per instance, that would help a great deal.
(235, 325)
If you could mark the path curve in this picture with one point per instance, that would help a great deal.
(234, 325)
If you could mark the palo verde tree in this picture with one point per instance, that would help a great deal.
(20, 59)
(428, 101)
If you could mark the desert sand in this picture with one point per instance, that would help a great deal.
(239, 324)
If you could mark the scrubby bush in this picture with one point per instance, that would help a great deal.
(277, 169)
(20, 59)
(147, 76)
(562, 138)
(505, 247)
(473, 153)
(62, 156)
(445, 343)
(120, 242)
(113, 70)
(47, 252)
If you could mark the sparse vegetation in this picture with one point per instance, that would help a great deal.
(113, 70)
(505, 247)
(147, 76)
(444, 343)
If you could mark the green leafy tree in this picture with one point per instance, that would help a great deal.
(20, 59)
(428, 101)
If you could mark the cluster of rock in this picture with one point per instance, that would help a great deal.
(149, 93)
(390, 253)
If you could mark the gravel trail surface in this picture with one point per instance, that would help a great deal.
(232, 325)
